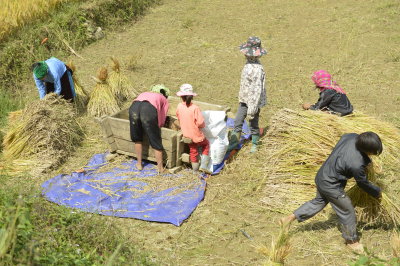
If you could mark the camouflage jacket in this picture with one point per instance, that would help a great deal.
(252, 87)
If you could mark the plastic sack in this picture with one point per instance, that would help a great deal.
(215, 123)
(217, 134)
(218, 147)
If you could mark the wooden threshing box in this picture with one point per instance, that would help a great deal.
(116, 132)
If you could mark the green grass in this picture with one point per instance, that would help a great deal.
(7, 104)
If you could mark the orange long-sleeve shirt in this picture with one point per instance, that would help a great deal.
(191, 121)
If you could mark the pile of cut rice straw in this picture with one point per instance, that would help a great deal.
(298, 142)
(42, 135)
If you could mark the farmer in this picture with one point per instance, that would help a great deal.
(191, 121)
(53, 75)
(332, 98)
(252, 93)
(147, 115)
(349, 158)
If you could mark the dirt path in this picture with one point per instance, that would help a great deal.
(196, 42)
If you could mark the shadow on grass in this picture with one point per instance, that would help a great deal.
(319, 225)
(333, 222)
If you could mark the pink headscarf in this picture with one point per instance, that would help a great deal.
(324, 81)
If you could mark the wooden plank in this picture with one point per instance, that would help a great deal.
(105, 125)
(185, 158)
(179, 149)
(168, 163)
(174, 101)
(168, 145)
(129, 147)
(111, 142)
(121, 129)
(123, 114)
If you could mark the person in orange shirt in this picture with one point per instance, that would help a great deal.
(191, 121)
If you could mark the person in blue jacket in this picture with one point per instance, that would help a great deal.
(53, 75)
(348, 159)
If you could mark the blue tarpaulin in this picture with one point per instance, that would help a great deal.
(124, 191)
(127, 192)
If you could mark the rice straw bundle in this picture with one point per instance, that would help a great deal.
(82, 97)
(11, 119)
(395, 244)
(371, 210)
(44, 134)
(280, 248)
(102, 101)
(120, 85)
(297, 144)
(13, 116)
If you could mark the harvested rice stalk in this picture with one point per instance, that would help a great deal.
(298, 142)
(184, 180)
(14, 116)
(280, 248)
(371, 210)
(45, 133)
(102, 101)
(120, 85)
(82, 97)
(395, 244)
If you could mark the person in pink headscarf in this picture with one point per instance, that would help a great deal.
(332, 98)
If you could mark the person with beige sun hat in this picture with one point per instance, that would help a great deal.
(191, 121)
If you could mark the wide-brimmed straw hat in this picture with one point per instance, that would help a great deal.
(252, 47)
(186, 90)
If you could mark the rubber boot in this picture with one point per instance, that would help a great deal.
(254, 142)
(205, 160)
(234, 140)
(195, 166)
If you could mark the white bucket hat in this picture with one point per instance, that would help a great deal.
(186, 90)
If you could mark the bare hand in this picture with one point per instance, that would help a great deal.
(306, 106)
(177, 124)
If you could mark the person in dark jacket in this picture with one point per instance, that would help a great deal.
(53, 75)
(332, 98)
(348, 159)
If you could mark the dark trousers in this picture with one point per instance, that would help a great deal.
(241, 116)
(341, 205)
(143, 118)
(66, 90)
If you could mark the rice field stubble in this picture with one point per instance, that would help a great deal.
(196, 42)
